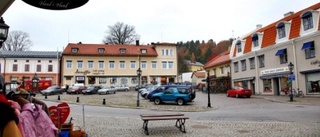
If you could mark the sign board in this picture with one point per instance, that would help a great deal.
(291, 77)
(56, 4)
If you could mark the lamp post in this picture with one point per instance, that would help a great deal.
(139, 75)
(4, 29)
(290, 66)
(208, 89)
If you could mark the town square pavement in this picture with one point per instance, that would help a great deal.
(110, 126)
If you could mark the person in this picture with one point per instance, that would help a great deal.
(67, 87)
(8, 119)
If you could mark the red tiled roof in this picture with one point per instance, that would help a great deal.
(270, 31)
(199, 74)
(110, 50)
(218, 60)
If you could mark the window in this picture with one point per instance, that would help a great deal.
(134, 80)
(113, 80)
(101, 64)
(100, 50)
(79, 64)
(15, 67)
(122, 64)
(255, 40)
(90, 64)
(69, 64)
(283, 57)
(27, 60)
(243, 65)
(236, 67)
(221, 70)
(154, 64)
(50, 68)
(38, 68)
(307, 21)
(162, 52)
(111, 64)
(39, 61)
(167, 52)
(50, 61)
(26, 67)
(133, 64)
(102, 80)
(143, 51)
(122, 50)
(281, 30)
(261, 61)
(239, 47)
(15, 60)
(170, 63)
(74, 50)
(171, 52)
(143, 64)
(252, 63)
(214, 72)
(164, 64)
(309, 49)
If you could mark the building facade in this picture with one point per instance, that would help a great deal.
(19, 65)
(260, 59)
(104, 64)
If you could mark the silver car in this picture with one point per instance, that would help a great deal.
(107, 90)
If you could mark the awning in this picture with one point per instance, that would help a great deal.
(280, 52)
(310, 71)
(277, 75)
(243, 79)
(307, 45)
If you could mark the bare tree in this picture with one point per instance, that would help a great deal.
(17, 41)
(121, 33)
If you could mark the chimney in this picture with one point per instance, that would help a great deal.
(80, 42)
(258, 26)
(288, 14)
(137, 42)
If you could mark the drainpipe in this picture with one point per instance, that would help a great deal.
(256, 84)
(295, 64)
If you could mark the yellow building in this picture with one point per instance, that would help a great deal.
(104, 64)
(194, 66)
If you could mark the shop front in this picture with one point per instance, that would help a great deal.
(275, 81)
(312, 81)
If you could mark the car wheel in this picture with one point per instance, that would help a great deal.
(157, 101)
(180, 101)
(237, 96)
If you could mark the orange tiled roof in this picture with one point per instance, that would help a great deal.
(270, 31)
(199, 74)
(110, 50)
(218, 60)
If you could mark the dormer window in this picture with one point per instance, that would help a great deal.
(144, 51)
(122, 50)
(307, 21)
(74, 50)
(255, 40)
(101, 50)
(239, 46)
(281, 30)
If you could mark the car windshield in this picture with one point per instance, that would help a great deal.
(52, 87)
(106, 87)
(90, 88)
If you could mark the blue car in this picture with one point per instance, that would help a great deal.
(165, 87)
(179, 95)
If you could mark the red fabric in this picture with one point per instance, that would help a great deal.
(3, 99)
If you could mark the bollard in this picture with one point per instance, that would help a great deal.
(104, 102)
(45, 96)
(58, 97)
(77, 99)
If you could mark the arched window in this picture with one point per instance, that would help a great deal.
(281, 30)
(307, 21)
(239, 46)
(255, 40)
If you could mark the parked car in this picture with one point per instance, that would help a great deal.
(239, 92)
(179, 95)
(52, 90)
(144, 91)
(75, 89)
(122, 88)
(165, 87)
(91, 90)
(107, 90)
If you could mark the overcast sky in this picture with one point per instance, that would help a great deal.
(155, 20)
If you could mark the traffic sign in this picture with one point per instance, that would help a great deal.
(291, 77)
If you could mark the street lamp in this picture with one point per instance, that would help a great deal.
(208, 89)
(4, 29)
(290, 66)
(139, 75)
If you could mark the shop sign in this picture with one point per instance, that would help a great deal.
(316, 62)
(56, 4)
(275, 70)
(97, 72)
(82, 72)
